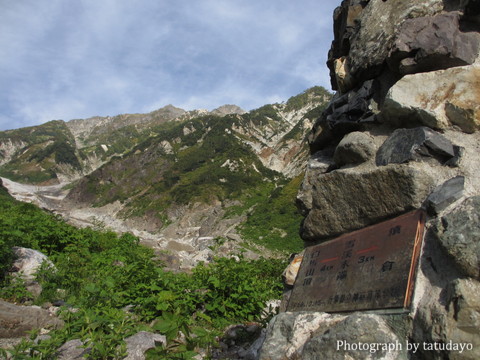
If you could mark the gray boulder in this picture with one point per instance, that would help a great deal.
(458, 233)
(288, 332)
(437, 99)
(72, 350)
(139, 343)
(16, 321)
(27, 262)
(318, 165)
(355, 148)
(349, 199)
(317, 335)
(359, 337)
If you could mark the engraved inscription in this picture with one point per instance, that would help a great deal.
(366, 269)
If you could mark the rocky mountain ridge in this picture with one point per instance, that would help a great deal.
(183, 182)
(60, 151)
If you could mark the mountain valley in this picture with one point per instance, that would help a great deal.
(191, 184)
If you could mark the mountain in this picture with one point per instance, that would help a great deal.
(182, 181)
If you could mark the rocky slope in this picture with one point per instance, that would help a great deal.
(400, 133)
(61, 151)
(189, 184)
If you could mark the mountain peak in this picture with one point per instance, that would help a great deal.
(228, 109)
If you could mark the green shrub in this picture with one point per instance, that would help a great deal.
(101, 273)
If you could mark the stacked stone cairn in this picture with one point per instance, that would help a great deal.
(401, 133)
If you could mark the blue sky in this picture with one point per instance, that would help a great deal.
(64, 59)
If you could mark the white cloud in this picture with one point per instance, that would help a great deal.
(68, 59)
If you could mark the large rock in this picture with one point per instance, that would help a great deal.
(458, 233)
(359, 337)
(73, 350)
(355, 148)
(349, 199)
(365, 32)
(463, 324)
(433, 43)
(318, 165)
(28, 261)
(445, 195)
(139, 343)
(317, 335)
(287, 333)
(437, 99)
(16, 321)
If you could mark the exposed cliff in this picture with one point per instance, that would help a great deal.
(401, 133)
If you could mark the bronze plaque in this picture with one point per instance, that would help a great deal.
(372, 268)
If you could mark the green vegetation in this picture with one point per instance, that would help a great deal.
(299, 101)
(100, 273)
(274, 221)
(42, 148)
(208, 163)
(262, 115)
(115, 284)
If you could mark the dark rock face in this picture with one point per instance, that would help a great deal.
(346, 113)
(433, 43)
(364, 33)
(458, 233)
(416, 144)
(445, 195)
(411, 37)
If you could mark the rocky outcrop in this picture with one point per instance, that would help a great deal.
(401, 133)
(403, 36)
(8, 148)
(228, 109)
(28, 262)
(16, 321)
(432, 43)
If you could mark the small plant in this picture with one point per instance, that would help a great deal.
(15, 290)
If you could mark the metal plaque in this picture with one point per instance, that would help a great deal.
(372, 268)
